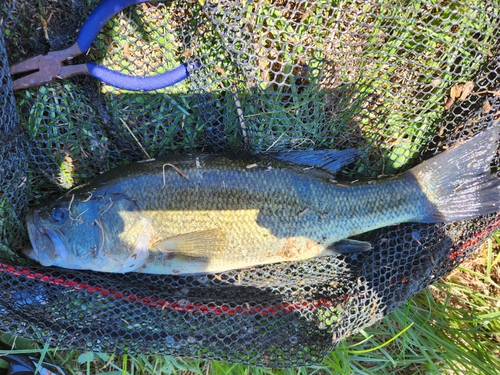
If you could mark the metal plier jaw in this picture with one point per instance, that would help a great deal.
(47, 68)
(42, 69)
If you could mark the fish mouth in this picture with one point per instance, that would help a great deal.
(48, 245)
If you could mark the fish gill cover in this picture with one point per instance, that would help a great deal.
(399, 82)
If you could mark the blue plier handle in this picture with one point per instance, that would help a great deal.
(49, 67)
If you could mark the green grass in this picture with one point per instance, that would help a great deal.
(451, 327)
(66, 154)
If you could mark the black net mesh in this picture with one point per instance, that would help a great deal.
(397, 81)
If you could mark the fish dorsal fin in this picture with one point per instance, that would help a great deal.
(202, 245)
(329, 160)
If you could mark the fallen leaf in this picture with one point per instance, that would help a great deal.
(466, 90)
(456, 90)
(449, 102)
(486, 106)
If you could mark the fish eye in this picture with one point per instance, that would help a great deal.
(58, 215)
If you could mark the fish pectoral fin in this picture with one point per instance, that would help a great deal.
(140, 251)
(201, 245)
(348, 246)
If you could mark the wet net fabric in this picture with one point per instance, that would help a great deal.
(398, 82)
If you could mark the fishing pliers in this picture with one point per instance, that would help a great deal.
(47, 68)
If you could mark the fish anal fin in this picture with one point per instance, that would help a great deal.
(201, 245)
(348, 246)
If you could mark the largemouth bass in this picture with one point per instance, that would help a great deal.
(207, 213)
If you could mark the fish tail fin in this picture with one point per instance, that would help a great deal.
(459, 183)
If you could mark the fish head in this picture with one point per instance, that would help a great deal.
(93, 232)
